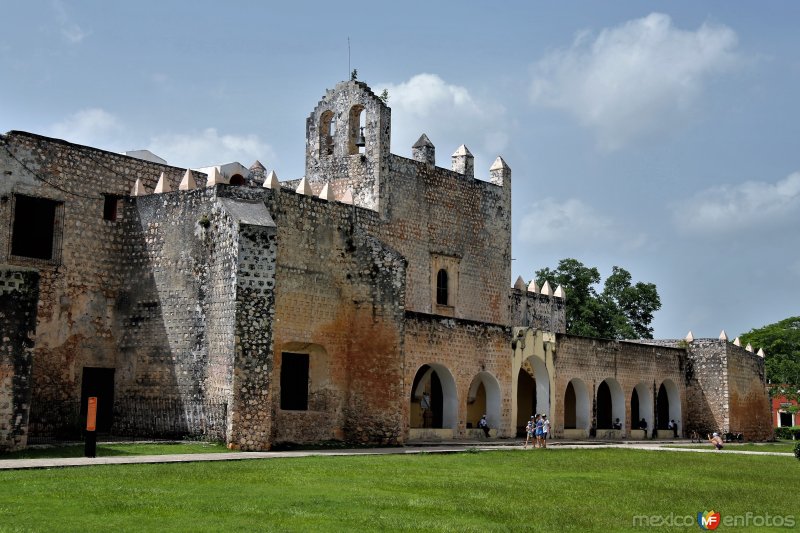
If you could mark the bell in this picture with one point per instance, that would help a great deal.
(361, 142)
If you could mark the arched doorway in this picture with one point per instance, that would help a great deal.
(526, 400)
(436, 382)
(668, 405)
(533, 392)
(576, 405)
(641, 406)
(483, 398)
(610, 404)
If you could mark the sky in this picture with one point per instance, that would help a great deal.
(661, 137)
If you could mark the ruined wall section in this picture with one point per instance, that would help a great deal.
(539, 311)
(466, 349)
(76, 318)
(331, 156)
(437, 214)
(339, 299)
(594, 360)
(19, 295)
(749, 404)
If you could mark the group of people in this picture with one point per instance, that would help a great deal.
(537, 430)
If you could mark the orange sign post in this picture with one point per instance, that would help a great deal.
(91, 414)
(90, 447)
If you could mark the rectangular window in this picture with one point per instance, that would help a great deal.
(112, 207)
(294, 381)
(36, 230)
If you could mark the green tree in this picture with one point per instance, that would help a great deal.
(781, 343)
(621, 311)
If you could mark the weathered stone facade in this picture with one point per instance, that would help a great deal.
(368, 302)
(18, 298)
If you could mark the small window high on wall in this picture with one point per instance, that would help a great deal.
(441, 287)
(294, 381)
(36, 228)
(112, 207)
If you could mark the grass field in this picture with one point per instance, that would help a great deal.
(552, 490)
(108, 450)
(777, 447)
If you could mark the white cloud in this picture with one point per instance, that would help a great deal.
(93, 127)
(733, 207)
(634, 79)
(69, 29)
(573, 222)
(450, 115)
(209, 147)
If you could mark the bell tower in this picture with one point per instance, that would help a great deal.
(347, 144)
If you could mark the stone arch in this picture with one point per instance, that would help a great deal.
(484, 398)
(641, 405)
(668, 403)
(576, 405)
(327, 130)
(610, 403)
(355, 122)
(533, 392)
(236, 179)
(437, 380)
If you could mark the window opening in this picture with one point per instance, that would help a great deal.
(34, 228)
(112, 207)
(357, 124)
(294, 381)
(327, 130)
(441, 287)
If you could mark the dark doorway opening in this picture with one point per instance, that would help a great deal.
(98, 382)
(294, 381)
(604, 406)
(526, 400)
(570, 407)
(663, 408)
(635, 420)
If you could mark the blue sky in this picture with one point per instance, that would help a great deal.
(658, 136)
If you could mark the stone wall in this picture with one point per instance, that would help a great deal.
(82, 286)
(708, 386)
(340, 299)
(463, 353)
(626, 365)
(250, 421)
(19, 294)
(749, 405)
(538, 311)
(178, 309)
(437, 213)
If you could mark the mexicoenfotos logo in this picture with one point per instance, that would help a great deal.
(708, 520)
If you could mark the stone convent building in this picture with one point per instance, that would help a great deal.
(368, 302)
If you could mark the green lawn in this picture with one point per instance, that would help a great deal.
(548, 490)
(777, 447)
(108, 450)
